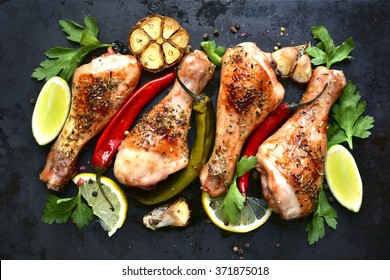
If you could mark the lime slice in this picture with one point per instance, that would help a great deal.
(110, 219)
(254, 214)
(342, 175)
(51, 110)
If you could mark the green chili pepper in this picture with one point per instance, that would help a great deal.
(176, 183)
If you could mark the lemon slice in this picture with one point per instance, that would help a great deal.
(343, 177)
(254, 214)
(51, 110)
(111, 220)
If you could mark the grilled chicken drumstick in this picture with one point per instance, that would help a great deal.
(249, 91)
(99, 89)
(291, 161)
(157, 146)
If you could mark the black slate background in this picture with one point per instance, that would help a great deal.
(29, 28)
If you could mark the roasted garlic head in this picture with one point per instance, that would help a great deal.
(158, 42)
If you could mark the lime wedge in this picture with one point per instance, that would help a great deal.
(51, 110)
(343, 177)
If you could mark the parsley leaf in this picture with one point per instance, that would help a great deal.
(315, 228)
(213, 52)
(59, 210)
(64, 61)
(349, 119)
(234, 201)
(326, 52)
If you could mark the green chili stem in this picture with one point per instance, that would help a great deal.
(200, 100)
(186, 89)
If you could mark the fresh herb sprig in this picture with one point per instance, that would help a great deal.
(324, 213)
(348, 117)
(234, 201)
(64, 61)
(59, 210)
(349, 120)
(325, 52)
(214, 53)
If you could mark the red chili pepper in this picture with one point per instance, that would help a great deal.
(264, 130)
(114, 133)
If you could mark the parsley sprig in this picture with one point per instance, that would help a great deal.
(63, 61)
(234, 201)
(59, 210)
(349, 120)
(325, 52)
(315, 228)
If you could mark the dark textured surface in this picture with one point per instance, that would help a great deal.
(29, 28)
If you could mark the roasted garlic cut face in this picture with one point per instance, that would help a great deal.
(158, 42)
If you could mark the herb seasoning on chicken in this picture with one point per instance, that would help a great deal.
(291, 161)
(249, 91)
(157, 146)
(99, 89)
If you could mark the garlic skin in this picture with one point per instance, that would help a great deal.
(293, 62)
(176, 214)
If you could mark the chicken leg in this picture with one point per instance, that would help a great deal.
(99, 88)
(249, 91)
(291, 161)
(157, 146)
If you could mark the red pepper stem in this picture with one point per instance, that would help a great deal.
(295, 106)
(99, 173)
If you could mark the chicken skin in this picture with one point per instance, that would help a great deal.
(291, 161)
(99, 88)
(157, 146)
(249, 91)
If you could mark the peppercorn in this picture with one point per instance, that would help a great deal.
(237, 26)
(94, 193)
(120, 47)
(206, 36)
(216, 32)
(233, 29)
